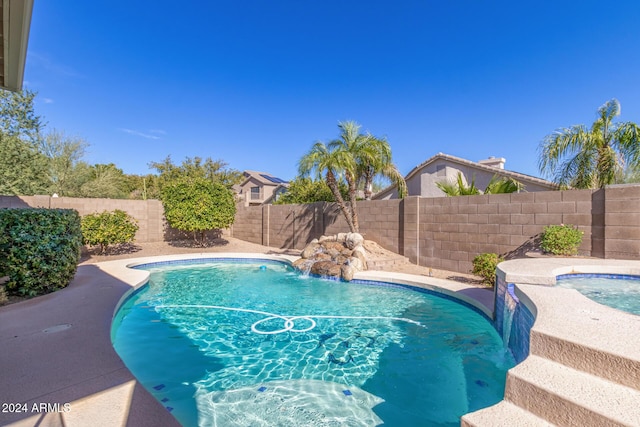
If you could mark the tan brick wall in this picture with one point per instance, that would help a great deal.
(622, 222)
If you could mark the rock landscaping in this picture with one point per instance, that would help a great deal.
(340, 256)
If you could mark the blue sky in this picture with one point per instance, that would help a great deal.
(256, 83)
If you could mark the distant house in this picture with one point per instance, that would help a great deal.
(421, 181)
(259, 188)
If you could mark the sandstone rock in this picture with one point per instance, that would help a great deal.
(353, 240)
(300, 263)
(323, 239)
(341, 237)
(339, 259)
(332, 246)
(356, 263)
(360, 254)
(322, 257)
(347, 272)
(309, 250)
(326, 268)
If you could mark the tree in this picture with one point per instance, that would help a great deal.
(215, 171)
(106, 181)
(66, 172)
(503, 185)
(108, 228)
(458, 188)
(196, 205)
(306, 190)
(496, 185)
(22, 167)
(332, 162)
(592, 158)
(17, 116)
(376, 160)
(356, 158)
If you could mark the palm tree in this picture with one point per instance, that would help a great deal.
(592, 158)
(377, 161)
(503, 185)
(325, 159)
(495, 186)
(357, 158)
(458, 188)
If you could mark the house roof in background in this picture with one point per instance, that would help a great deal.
(263, 177)
(14, 35)
(501, 172)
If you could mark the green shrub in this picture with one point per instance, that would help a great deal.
(484, 265)
(39, 249)
(561, 239)
(197, 205)
(108, 228)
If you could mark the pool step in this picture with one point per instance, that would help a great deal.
(601, 362)
(567, 397)
(503, 414)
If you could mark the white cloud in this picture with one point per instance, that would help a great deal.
(138, 133)
(47, 100)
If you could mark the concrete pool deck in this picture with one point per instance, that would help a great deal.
(58, 364)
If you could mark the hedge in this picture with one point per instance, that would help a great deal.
(39, 249)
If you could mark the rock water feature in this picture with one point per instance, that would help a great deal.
(341, 255)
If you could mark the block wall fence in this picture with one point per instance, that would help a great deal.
(445, 232)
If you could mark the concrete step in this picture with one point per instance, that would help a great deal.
(503, 414)
(602, 362)
(568, 397)
(384, 264)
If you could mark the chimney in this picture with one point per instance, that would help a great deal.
(495, 162)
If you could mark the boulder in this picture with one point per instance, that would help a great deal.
(323, 239)
(353, 239)
(347, 272)
(333, 246)
(326, 268)
(310, 250)
(341, 237)
(356, 263)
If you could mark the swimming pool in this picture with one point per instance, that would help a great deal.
(619, 291)
(256, 343)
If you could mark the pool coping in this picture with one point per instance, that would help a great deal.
(78, 364)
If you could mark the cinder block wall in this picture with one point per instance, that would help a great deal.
(445, 232)
(148, 213)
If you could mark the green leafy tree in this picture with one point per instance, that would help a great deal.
(66, 170)
(197, 205)
(22, 167)
(215, 171)
(592, 158)
(108, 228)
(306, 190)
(105, 181)
(18, 117)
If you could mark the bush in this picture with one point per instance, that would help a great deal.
(39, 249)
(108, 228)
(561, 239)
(484, 265)
(197, 205)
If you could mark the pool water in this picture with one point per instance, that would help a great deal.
(617, 291)
(259, 344)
